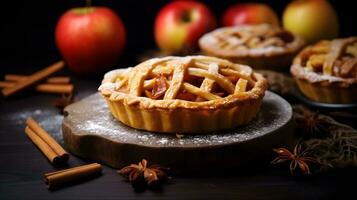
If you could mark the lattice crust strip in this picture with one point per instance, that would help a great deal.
(176, 74)
(263, 36)
(333, 58)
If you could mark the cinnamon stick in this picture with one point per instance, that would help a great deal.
(33, 78)
(59, 80)
(46, 88)
(14, 77)
(5, 84)
(33, 128)
(43, 146)
(55, 79)
(54, 88)
(60, 178)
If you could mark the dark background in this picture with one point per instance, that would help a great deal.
(27, 44)
(27, 27)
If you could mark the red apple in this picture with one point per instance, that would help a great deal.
(249, 13)
(180, 24)
(90, 39)
(313, 20)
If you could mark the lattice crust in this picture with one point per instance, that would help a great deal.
(196, 78)
(250, 37)
(332, 58)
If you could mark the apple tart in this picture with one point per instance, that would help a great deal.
(262, 46)
(193, 94)
(327, 71)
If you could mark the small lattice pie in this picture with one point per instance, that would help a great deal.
(193, 94)
(260, 46)
(327, 71)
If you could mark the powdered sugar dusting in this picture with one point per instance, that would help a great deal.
(97, 120)
(47, 119)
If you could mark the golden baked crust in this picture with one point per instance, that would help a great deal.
(260, 46)
(193, 94)
(327, 71)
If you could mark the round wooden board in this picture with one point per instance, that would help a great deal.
(91, 132)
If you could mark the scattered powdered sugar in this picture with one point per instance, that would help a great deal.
(47, 119)
(19, 117)
(267, 50)
(52, 124)
(313, 76)
(92, 117)
(306, 73)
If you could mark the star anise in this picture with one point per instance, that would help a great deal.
(141, 174)
(63, 101)
(311, 124)
(297, 159)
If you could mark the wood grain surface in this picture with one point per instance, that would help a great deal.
(90, 131)
(22, 167)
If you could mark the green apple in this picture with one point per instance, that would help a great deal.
(313, 20)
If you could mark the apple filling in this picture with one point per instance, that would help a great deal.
(332, 58)
(192, 79)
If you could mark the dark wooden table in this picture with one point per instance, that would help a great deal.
(22, 165)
